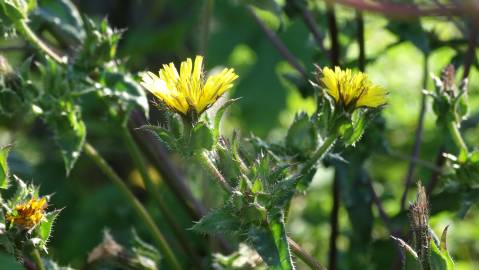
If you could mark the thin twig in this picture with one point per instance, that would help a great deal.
(305, 256)
(279, 45)
(205, 26)
(333, 32)
(377, 201)
(361, 45)
(471, 51)
(308, 19)
(404, 10)
(417, 137)
(334, 223)
(423, 163)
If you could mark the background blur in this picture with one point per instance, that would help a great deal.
(159, 32)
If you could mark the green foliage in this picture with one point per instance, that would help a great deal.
(9, 262)
(302, 137)
(4, 175)
(201, 138)
(63, 20)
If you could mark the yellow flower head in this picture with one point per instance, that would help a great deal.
(188, 90)
(352, 90)
(28, 214)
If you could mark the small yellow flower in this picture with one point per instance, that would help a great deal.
(352, 90)
(188, 90)
(28, 214)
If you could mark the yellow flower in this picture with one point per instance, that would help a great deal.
(188, 91)
(352, 90)
(28, 214)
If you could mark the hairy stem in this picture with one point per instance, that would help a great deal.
(327, 144)
(304, 256)
(142, 213)
(154, 192)
(29, 35)
(456, 136)
(38, 259)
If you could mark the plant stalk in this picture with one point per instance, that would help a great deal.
(456, 136)
(327, 143)
(142, 213)
(29, 35)
(154, 192)
(38, 259)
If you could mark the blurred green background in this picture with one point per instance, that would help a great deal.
(159, 32)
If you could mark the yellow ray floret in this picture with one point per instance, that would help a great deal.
(350, 89)
(188, 89)
(27, 214)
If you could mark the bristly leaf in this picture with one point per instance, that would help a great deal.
(440, 260)
(272, 245)
(44, 229)
(70, 134)
(218, 221)
(4, 166)
(163, 135)
(63, 18)
(124, 91)
(219, 116)
(201, 137)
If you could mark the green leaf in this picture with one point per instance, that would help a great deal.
(70, 133)
(44, 229)
(201, 137)
(163, 135)
(124, 91)
(63, 19)
(219, 115)
(9, 262)
(272, 245)
(218, 221)
(302, 137)
(15, 10)
(440, 260)
(4, 166)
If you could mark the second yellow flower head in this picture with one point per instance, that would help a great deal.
(28, 214)
(352, 90)
(188, 89)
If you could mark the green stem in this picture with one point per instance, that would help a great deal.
(208, 163)
(29, 35)
(154, 192)
(38, 259)
(456, 136)
(144, 216)
(327, 143)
